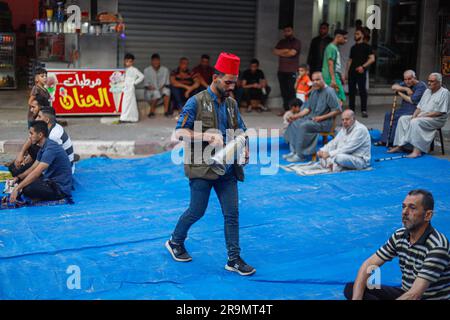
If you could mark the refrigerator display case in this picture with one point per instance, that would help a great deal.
(8, 61)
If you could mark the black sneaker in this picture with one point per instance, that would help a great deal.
(151, 115)
(365, 114)
(238, 265)
(178, 251)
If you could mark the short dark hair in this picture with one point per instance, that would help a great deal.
(358, 22)
(184, 58)
(40, 71)
(254, 60)
(289, 25)
(326, 24)
(340, 31)
(427, 198)
(304, 66)
(295, 103)
(40, 127)
(49, 110)
(219, 73)
(156, 56)
(205, 56)
(50, 113)
(129, 56)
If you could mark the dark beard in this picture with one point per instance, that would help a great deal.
(223, 93)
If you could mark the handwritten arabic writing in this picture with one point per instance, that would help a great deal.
(79, 100)
(84, 82)
(87, 91)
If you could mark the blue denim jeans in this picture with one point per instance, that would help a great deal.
(227, 193)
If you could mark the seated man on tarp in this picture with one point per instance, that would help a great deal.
(50, 176)
(423, 253)
(27, 155)
(350, 149)
(57, 133)
(316, 116)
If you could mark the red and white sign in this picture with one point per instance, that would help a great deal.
(86, 91)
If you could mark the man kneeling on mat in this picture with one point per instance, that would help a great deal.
(50, 176)
(28, 153)
(423, 254)
(350, 149)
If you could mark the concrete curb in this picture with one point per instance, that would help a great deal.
(96, 147)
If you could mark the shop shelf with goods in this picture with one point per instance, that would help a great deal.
(8, 79)
(98, 43)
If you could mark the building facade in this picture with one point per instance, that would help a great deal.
(413, 34)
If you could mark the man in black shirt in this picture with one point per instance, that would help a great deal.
(255, 87)
(317, 47)
(288, 51)
(361, 57)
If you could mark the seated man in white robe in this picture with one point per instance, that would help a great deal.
(431, 114)
(350, 149)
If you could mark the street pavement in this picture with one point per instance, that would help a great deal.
(99, 135)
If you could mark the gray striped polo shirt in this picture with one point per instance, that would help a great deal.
(428, 258)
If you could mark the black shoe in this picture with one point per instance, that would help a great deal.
(151, 115)
(178, 251)
(380, 144)
(238, 265)
(364, 114)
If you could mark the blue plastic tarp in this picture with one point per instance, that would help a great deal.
(306, 236)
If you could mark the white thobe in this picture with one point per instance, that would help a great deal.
(159, 79)
(350, 149)
(420, 131)
(129, 105)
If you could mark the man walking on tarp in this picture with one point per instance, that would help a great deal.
(213, 108)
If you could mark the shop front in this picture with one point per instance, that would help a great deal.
(83, 58)
(80, 43)
(395, 44)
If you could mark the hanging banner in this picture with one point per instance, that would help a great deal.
(86, 91)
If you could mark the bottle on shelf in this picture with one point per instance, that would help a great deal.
(60, 12)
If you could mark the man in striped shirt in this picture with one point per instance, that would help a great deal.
(423, 253)
(57, 133)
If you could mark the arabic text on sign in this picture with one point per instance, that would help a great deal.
(70, 100)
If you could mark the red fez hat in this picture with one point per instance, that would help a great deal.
(228, 63)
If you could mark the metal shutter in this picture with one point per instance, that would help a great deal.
(176, 28)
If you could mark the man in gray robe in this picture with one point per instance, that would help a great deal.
(316, 116)
(431, 114)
